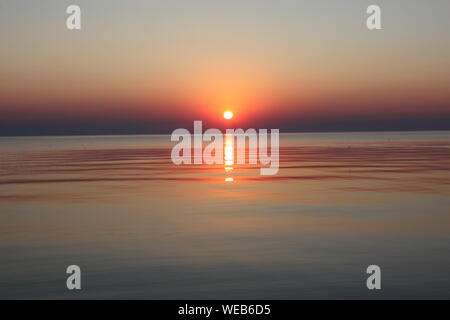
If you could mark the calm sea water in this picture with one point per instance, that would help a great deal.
(141, 227)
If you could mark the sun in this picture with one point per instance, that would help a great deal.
(228, 115)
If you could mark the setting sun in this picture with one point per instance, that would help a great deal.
(228, 115)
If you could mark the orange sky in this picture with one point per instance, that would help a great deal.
(158, 62)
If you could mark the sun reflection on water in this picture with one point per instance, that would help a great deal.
(228, 155)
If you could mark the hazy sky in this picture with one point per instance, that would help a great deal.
(152, 66)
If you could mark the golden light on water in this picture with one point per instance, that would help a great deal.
(228, 152)
(228, 155)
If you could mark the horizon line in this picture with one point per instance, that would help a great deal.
(168, 134)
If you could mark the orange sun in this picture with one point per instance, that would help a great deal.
(228, 115)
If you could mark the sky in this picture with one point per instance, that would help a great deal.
(153, 66)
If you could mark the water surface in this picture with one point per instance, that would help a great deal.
(141, 227)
